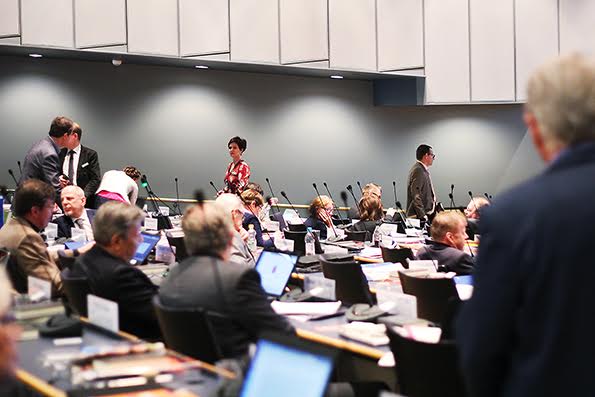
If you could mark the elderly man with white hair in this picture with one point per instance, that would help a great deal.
(528, 328)
(75, 214)
(239, 250)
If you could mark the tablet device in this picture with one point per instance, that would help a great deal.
(275, 268)
(289, 367)
(72, 245)
(144, 248)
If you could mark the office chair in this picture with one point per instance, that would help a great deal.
(433, 295)
(351, 285)
(297, 227)
(76, 290)
(299, 245)
(187, 331)
(397, 255)
(357, 235)
(426, 369)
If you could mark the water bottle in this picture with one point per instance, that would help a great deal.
(251, 238)
(377, 237)
(309, 242)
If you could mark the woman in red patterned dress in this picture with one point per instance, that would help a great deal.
(238, 171)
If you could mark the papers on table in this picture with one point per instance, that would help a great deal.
(370, 253)
(420, 333)
(380, 271)
(310, 308)
(368, 333)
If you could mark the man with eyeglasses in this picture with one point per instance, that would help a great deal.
(421, 198)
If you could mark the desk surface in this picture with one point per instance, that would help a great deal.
(50, 382)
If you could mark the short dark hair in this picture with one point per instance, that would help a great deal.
(422, 150)
(76, 129)
(132, 172)
(60, 126)
(32, 193)
(242, 143)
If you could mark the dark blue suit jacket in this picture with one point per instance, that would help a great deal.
(528, 329)
(251, 219)
(65, 223)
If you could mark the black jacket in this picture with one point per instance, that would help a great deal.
(112, 278)
(88, 173)
(227, 288)
(65, 223)
(449, 258)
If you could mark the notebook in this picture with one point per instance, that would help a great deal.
(278, 361)
(144, 248)
(275, 268)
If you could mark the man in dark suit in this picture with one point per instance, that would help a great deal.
(421, 199)
(448, 244)
(206, 279)
(42, 161)
(81, 165)
(528, 328)
(106, 266)
(75, 214)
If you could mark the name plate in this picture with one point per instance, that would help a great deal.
(151, 224)
(103, 313)
(430, 265)
(164, 210)
(396, 302)
(38, 289)
(414, 222)
(51, 231)
(78, 235)
(321, 287)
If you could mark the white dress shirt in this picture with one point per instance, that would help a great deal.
(115, 181)
(86, 225)
(75, 163)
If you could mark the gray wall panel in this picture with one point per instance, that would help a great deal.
(176, 122)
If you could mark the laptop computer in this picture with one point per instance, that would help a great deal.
(144, 248)
(275, 268)
(278, 359)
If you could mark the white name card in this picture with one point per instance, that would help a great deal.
(414, 222)
(284, 244)
(321, 287)
(150, 224)
(423, 265)
(78, 235)
(51, 231)
(395, 302)
(164, 210)
(103, 312)
(38, 289)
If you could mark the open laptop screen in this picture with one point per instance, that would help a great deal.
(275, 269)
(144, 248)
(279, 369)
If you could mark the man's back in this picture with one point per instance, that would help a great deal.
(528, 329)
(41, 162)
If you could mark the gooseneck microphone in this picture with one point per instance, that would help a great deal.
(177, 196)
(214, 187)
(147, 186)
(291, 205)
(451, 196)
(488, 197)
(350, 188)
(343, 195)
(473, 201)
(272, 193)
(20, 170)
(320, 198)
(331, 196)
(13, 178)
(360, 188)
(395, 192)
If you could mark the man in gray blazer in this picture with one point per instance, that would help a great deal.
(421, 199)
(42, 161)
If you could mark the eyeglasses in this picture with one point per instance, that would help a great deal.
(432, 154)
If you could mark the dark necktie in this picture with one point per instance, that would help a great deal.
(71, 166)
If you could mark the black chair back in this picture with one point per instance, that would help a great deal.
(426, 369)
(299, 246)
(351, 285)
(278, 217)
(297, 227)
(397, 255)
(76, 290)
(433, 295)
(17, 277)
(356, 235)
(187, 331)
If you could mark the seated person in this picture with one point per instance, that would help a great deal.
(75, 214)
(372, 214)
(264, 213)
(239, 252)
(448, 242)
(32, 211)
(207, 280)
(253, 203)
(106, 266)
(370, 189)
(473, 212)
(321, 212)
(118, 186)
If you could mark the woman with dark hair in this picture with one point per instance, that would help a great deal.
(118, 186)
(238, 171)
(371, 215)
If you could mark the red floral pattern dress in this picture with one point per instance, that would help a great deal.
(236, 177)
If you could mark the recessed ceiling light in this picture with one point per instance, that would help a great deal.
(201, 66)
(336, 76)
(35, 55)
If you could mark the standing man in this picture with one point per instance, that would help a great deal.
(528, 328)
(81, 165)
(421, 199)
(42, 161)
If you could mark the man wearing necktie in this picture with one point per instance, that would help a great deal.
(81, 165)
(75, 214)
(421, 198)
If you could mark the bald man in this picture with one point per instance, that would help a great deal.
(75, 214)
